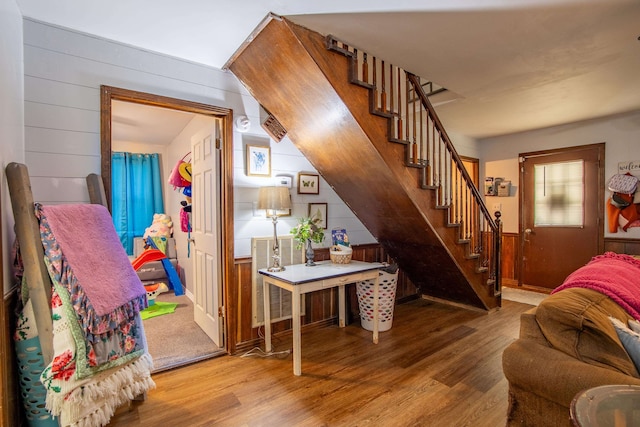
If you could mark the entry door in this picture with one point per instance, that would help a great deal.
(206, 249)
(561, 206)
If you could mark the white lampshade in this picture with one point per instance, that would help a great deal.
(274, 198)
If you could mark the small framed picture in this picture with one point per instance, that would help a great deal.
(319, 210)
(258, 160)
(284, 181)
(308, 183)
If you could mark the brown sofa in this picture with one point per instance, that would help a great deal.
(567, 344)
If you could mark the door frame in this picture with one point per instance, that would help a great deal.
(600, 197)
(109, 93)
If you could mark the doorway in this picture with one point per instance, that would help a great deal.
(561, 212)
(472, 165)
(224, 147)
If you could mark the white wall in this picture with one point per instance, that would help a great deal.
(286, 160)
(464, 145)
(11, 117)
(63, 73)
(500, 156)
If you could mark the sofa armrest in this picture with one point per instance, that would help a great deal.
(529, 328)
(552, 374)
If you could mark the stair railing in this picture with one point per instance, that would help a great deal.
(400, 96)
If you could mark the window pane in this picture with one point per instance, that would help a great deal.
(559, 194)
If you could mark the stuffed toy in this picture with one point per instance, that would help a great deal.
(162, 226)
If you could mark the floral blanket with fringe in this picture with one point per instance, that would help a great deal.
(100, 352)
(612, 274)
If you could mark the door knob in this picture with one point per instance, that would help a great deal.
(528, 231)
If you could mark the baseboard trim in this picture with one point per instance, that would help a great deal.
(456, 304)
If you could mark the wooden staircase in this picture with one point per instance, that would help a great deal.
(371, 132)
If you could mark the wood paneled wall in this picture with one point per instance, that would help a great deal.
(511, 252)
(510, 256)
(622, 246)
(11, 408)
(321, 307)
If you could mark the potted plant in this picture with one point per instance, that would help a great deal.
(307, 231)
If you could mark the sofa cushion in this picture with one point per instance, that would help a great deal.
(630, 340)
(576, 322)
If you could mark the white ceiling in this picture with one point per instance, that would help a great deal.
(145, 123)
(515, 64)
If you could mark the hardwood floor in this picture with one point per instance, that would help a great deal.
(437, 366)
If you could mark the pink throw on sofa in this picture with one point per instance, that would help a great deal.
(612, 274)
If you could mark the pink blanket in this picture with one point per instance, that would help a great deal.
(89, 242)
(612, 274)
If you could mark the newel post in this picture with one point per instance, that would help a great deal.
(497, 247)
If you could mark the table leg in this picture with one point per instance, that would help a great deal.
(267, 315)
(341, 306)
(376, 293)
(297, 344)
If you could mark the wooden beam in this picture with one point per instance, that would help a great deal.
(35, 272)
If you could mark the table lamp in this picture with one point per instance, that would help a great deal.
(274, 199)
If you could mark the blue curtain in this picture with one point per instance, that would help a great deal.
(136, 194)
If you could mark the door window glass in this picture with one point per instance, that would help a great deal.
(559, 194)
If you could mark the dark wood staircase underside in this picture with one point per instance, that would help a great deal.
(289, 70)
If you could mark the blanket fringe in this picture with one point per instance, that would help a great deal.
(103, 395)
(622, 257)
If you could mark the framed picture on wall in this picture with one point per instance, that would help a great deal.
(258, 160)
(308, 183)
(319, 210)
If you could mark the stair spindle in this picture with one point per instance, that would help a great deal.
(391, 85)
(383, 93)
(375, 85)
(365, 68)
(400, 136)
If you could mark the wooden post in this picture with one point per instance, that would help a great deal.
(497, 244)
(35, 272)
(97, 194)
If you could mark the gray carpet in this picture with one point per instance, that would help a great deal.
(175, 339)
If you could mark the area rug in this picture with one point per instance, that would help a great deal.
(177, 340)
(158, 309)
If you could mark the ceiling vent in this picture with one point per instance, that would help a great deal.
(273, 127)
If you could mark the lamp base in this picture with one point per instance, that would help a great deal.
(275, 269)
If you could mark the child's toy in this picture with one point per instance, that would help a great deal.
(147, 256)
(161, 226)
(172, 275)
(154, 254)
(153, 290)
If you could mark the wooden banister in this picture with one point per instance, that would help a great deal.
(414, 123)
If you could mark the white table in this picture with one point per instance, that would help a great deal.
(300, 279)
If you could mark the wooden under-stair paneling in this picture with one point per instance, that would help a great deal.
(288, 69)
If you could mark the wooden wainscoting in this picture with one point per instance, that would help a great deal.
(321, 307)
(509, 258)
(11, 414)
(622, 246)
(511, 253)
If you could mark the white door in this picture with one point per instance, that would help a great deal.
(205, 224)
